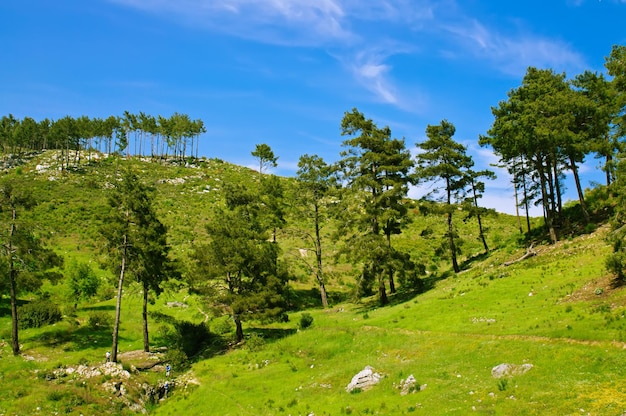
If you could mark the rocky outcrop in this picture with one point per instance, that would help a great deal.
(508, 370)
(364, 380)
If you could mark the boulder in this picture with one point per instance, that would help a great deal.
(408, 386)
(508, 370)
(364, 379)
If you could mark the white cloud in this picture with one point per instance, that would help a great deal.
(283, 22)
(370, 71)
(513, 54)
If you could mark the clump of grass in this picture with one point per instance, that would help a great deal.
(502, 384)
(306, 320)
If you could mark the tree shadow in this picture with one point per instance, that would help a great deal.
(467, 263)
(404, 294)
(5, 306)
(303, 299)
(618, 282)
(98, 308)
(273, 334)
(78, 339)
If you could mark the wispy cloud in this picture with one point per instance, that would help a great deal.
(512, 54)
(365, 37)
(288, 22)
(370, 70)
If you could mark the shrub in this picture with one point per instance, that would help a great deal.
(100, 320)
(177, 359)
(223, 326)
(39, 313)
(255, 342)
(192, 338)
(306, 320)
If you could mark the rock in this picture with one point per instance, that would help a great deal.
(508, 370)
(364, 379)
(408, 386)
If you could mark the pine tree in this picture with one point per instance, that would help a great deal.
(376, 171)
(21, 251)
(136, 243)
(444, 159)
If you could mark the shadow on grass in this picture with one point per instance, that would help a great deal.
(273, 334)
(303, 299)
(98, 308)
(467, 264)
(75, 339)
(618, 282)
(405, 294)
(5, 306)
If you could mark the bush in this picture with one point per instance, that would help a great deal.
(100, 320)
(177, 359)
(192, 338)
(223, 326)
(255, 342)
(306, 320)
(39, 313)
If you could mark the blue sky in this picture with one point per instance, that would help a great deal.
(283, 72)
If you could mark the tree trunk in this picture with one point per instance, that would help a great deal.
(481, 233)
(392, 283)
(455, 265)
(382, 291)
(515, 183)
(15, 343)
(525, 197)
(238, 328)
(318, 256)
(581, 195)
(144, 314)
(546, 205)
(118, 306)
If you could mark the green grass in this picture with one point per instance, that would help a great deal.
(449, 339)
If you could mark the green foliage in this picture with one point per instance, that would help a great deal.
(99, 320)
(39, 313)
(222, 326)
(306, 320)
(177, 359)
(242, 259)
(255, 342)
(192, 338)
(377, 171)
(264, 154)
(83, 281)
(502, 384)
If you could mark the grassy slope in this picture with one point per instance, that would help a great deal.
(449, 337)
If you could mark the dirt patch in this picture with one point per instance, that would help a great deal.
(601, 288)
(141, 360)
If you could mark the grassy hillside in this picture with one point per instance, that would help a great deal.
(558, 311)
(555, 311)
